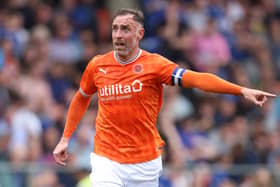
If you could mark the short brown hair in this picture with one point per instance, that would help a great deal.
(137, 14)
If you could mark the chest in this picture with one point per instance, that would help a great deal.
(129, 82)
(124, 75)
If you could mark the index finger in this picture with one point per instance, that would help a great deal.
(269, 94)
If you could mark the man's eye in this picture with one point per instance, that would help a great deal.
(125, 29)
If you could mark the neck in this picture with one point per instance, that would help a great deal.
(128, 58)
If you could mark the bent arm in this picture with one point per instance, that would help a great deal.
(77, 108)
(209, 82)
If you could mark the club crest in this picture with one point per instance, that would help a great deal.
(138, 68)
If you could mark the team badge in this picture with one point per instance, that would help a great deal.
(138, 68)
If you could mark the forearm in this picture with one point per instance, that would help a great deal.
(209, 82)
(77, 108)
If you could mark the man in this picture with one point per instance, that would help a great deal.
(129, 82)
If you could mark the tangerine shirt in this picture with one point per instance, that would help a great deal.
(129, 100)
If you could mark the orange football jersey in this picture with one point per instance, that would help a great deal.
(129, 100)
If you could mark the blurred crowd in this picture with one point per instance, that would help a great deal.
(212, 140)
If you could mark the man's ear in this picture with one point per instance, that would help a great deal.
(140, 33)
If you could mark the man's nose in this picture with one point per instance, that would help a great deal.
(118, 33)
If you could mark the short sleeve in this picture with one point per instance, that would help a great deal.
(166, 68)
(87, 84)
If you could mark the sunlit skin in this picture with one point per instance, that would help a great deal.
(126, 34)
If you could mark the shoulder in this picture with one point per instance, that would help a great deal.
(149, 54)
(101, 59)
(153, 57)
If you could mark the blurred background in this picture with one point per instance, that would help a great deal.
(211, 140)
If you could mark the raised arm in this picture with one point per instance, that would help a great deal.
(211, 83)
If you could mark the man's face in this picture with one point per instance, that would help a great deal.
(126, 34)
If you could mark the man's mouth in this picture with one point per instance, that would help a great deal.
(119, 44)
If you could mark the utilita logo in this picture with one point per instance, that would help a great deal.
(119, 89)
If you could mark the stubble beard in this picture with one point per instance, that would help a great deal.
(125, 51)
(122, 52)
